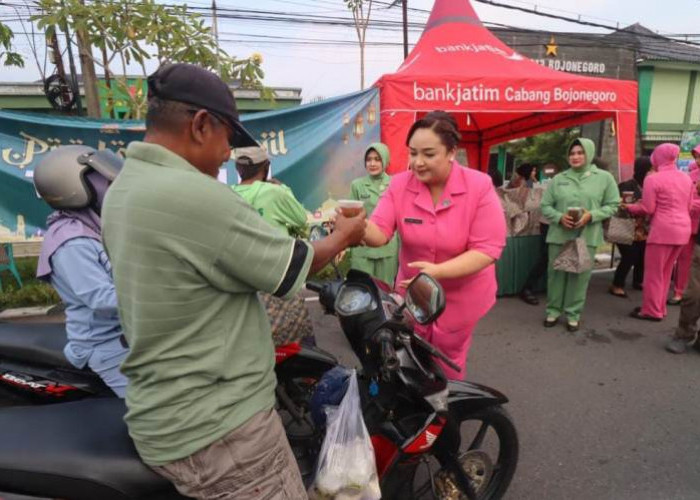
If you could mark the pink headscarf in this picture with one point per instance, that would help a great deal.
(665, 154)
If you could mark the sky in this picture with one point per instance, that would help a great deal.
(325, 71)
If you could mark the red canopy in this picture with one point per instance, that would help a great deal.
(496, 94)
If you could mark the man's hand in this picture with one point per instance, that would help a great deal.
(585, 219)
(351, 228)
(567, 221)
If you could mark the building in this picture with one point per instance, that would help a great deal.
(666, 71)
(29, 96)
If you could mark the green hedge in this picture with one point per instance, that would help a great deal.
(33, 293)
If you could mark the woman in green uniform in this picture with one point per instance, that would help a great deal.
(381, 262)
(594, 190)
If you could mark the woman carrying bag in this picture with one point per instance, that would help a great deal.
(576, 203)
(667, 198)
(633, 255)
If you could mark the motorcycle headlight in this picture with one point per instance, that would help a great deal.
(353, 299)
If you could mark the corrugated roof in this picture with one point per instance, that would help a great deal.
(654, 47)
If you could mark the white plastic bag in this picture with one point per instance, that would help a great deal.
(346, 468)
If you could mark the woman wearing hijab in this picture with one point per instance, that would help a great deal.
(594, 190)
(633, 255)
(381, 262)
(74, 181)
(686, 257)
(666, 198)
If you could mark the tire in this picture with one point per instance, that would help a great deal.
(498, 427)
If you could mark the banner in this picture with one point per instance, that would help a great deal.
(688, 142)
(316, 149)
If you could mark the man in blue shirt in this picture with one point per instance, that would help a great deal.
(74, 180)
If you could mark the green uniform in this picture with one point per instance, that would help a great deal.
(380, 262)
(277, 205)
(589, 188)
(189, 257)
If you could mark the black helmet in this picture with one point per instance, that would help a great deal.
(60, 177)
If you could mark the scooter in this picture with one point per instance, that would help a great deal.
(432, 438)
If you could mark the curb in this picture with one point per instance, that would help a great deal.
(25, 312)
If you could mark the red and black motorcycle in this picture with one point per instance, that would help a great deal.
(433, 438)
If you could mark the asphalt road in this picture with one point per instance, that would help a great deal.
(603, 414)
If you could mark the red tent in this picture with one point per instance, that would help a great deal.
(496, 94)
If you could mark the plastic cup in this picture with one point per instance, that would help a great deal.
(575, 213)
(350, 208)
(628, 197)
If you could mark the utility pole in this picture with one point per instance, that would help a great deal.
(405, 28)
(87, 66)
(215, 32)
(73, 76)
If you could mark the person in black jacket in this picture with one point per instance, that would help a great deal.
(633, 255)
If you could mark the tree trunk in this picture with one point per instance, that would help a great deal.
(87, 67)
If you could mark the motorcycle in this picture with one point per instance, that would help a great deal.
(449, 439)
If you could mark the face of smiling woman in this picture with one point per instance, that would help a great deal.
(429, 158)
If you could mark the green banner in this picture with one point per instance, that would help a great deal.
(315, 149)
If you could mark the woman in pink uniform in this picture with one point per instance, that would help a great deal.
(451, 226)
(667, 199)
(685, 258)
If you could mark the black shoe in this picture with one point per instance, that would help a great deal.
(673, 302)
(637, 314)
(529, 298)
(550, 322)
(573, 326)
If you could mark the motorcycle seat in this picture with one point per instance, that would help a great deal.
(35, 343)
(80, 451)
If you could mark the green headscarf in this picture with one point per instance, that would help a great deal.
(383, 152)
(588, 148)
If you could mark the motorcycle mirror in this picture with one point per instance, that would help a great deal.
(425, 299)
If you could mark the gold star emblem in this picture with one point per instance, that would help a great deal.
(552, 48)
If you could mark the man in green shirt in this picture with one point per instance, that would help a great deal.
(189, 257)
(275, 202)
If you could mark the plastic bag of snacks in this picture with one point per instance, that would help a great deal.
(346, 468)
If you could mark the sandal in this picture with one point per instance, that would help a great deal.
(612, 291)
(637, 314)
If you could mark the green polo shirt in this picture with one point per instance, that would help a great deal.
(277, 205)
(188, 257)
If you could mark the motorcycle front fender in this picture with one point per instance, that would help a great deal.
(468, 397)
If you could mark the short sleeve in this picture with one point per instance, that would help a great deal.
(257, 254)
(384, 215)
(487, 233)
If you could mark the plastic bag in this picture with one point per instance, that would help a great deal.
(346, 468)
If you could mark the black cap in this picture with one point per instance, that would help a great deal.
(203, 89)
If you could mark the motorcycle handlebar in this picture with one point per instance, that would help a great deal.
(387, 352)
(314, 287)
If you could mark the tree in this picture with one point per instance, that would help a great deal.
(357, 7)
(137, 31)
(550, 147)
(7, 55)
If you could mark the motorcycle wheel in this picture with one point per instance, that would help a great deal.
(488, 455)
